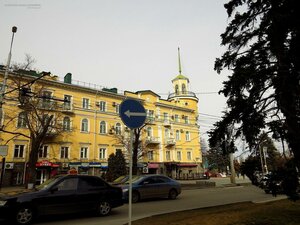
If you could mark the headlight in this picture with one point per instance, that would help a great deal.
(125, 189)
(2, 203)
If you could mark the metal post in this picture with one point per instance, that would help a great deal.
(130, 178)
(3, 89)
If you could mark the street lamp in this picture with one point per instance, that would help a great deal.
(2, 91)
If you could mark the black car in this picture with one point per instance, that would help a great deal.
(61, 195)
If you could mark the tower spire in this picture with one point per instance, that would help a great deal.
(179, 62)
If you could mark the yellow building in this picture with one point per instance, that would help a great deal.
(92, 128)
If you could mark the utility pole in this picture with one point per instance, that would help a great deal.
(3, 89)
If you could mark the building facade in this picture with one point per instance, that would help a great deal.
(91, 128)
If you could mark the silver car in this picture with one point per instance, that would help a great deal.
(151, 186)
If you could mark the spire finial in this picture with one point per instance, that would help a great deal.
(179, 63)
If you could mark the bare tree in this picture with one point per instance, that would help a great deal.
(37, 114)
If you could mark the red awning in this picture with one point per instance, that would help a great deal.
(46, 163)
(153, 165)
(187, 165)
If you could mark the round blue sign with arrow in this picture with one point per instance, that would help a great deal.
(132, 113)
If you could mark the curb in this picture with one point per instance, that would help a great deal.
(281, 197)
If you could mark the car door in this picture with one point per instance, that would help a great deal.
(147, 188)
(61, 198)
(162, 186)
(91, 190)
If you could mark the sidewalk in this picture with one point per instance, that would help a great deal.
(214, 182)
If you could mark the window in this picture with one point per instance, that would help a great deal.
(85, 103)
(149, 131)
(64, 152)
(150, 155)
(21, 120)
(168, 155)
(177, 135)
(166, 117)
(178, 155)
(84, 125)
(66, 124)
(102, 153)
(43, 152)
(187, 136)
(150, 114)
(176, 89)
(67, 102)
(83, 153)
(69, 184)
(189, 155)
(118, 128)
(46, 99)
(102, 106)
(167, 133)
(117, 108)
(88, 183)
(183, 89)
(102, 127)
(176, 118)
(19, 151)
(186, 119)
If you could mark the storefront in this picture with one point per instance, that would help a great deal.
(44, 170)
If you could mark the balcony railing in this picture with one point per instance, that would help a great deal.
(182, 94)
(170, 142)
(150, 120)
(152, 140)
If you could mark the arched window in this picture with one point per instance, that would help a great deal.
(66, 123)
(21, 120)
(176, 89)
(118, 128)
(187, 136)
(183, 89)
(102, 127)
(85, 125)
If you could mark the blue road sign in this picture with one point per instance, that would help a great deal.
(132, 113)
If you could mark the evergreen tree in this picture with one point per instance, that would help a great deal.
(116, 166)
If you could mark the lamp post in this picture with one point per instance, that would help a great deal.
(3, 89)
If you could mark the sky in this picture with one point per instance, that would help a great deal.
(127, 44)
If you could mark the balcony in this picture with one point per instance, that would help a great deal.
(67, 108)
(170, 142)
(152, 140)
(167, 123)
(150, 120)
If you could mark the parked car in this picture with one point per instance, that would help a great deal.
(122, 179)
(61, 195)
(151, 186)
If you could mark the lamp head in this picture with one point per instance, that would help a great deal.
(14, 29)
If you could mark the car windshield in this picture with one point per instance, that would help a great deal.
(46, 184)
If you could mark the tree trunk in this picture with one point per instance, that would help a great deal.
(31, 166)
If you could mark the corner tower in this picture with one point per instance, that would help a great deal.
(181, 93)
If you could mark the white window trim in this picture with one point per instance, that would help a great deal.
(87, 152)
(88, 126)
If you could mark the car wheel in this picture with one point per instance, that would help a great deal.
(104, 208)
(135, 196)
(24, 215)
(172, 194)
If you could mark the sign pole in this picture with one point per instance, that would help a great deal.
(133, 115)
(130, 178)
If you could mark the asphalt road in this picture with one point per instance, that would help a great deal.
(189, 199)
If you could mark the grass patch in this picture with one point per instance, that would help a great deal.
(282, 212)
